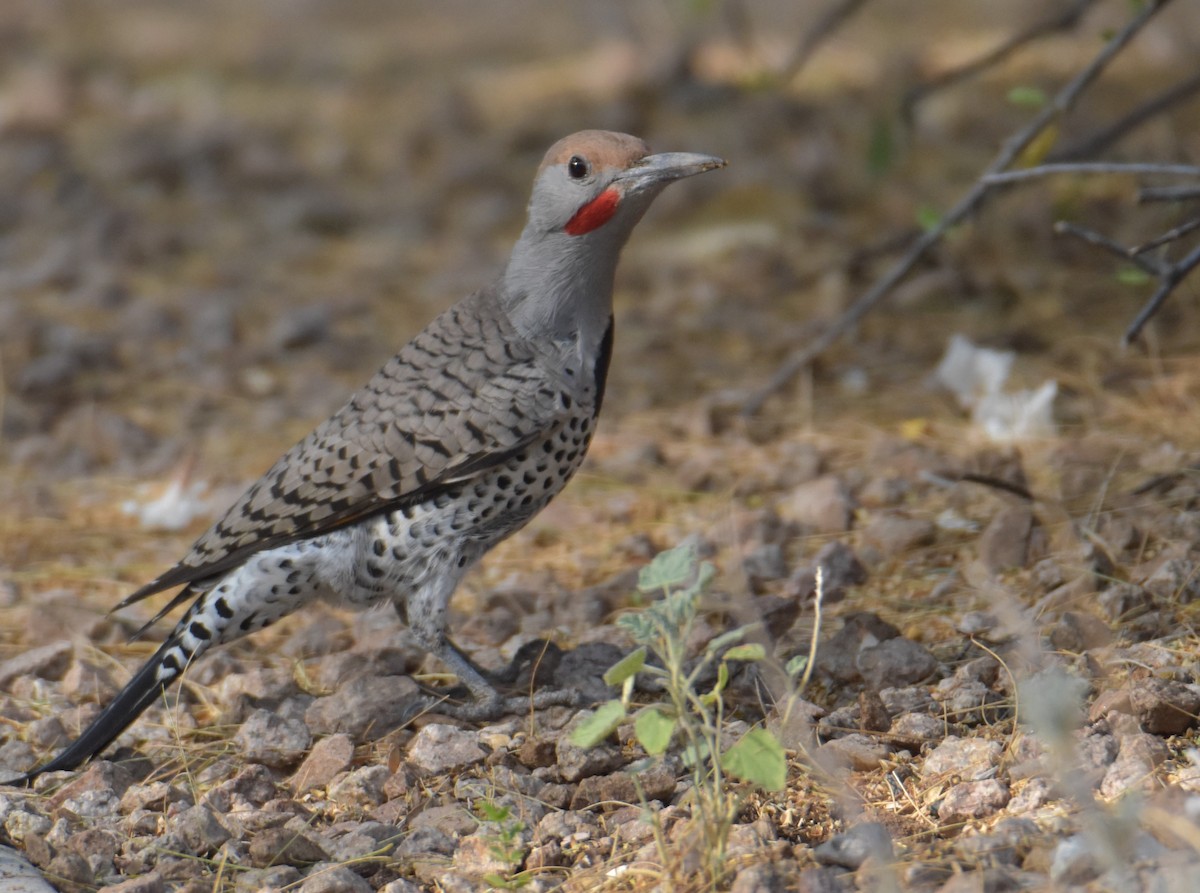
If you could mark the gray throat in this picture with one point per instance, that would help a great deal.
(558, 288)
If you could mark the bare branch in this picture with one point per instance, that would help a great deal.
(1176, 275)
(1168, 193)
(1150, 264)
(1090, 167)
(828, 22)
(1063, 21)
(967, 205)
(1169, 236)
(1135, 118)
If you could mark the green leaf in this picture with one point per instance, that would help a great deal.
(795, 666)
(757, 758)
(928, 218)
(734, 635)
(654, 730)
(626, 668)
(881, 149)
(1027, 97)
(749, 651)
(492, 812)
(1131, 275)
(710, 697)
(599, 725)
(668, 569)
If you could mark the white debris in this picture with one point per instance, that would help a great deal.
(175, 508)
(977, 375)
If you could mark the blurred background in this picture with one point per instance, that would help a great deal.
(216, 219)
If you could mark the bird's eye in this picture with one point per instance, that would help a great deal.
(577, 168)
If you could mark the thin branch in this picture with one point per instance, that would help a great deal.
(1169, 236)
(1177, 274)
(1001, 178)
(1151, 265)
(828, 22)
(1167, 193)
(1063, 21)
(967, 205)
(1169, 274)
(1135, 118)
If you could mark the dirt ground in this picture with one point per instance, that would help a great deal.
(218, 219)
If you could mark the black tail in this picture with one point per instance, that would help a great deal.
(142, 691)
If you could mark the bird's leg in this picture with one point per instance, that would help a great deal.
(487, 702)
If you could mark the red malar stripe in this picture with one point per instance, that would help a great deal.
(594, 214)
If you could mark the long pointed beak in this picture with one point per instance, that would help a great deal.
(667, 166)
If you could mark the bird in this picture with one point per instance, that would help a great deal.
(452, 446)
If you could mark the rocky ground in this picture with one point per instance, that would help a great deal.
(217, 221)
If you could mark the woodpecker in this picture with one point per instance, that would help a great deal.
(455, 444)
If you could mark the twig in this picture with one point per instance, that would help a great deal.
(1009, 152)
(828, 22)
(1151, 265)
(1135, 118)
(1169, 274)
(1177, 273)
(1001, 178)
(1167, 193)
(1169, 236)
(1064, 21)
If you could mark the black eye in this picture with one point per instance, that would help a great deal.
(577, 168)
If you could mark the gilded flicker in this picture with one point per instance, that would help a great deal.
(461, 438)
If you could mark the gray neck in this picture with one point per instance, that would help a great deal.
(558, 287)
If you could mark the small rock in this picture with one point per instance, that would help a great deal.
(838, 656)
(283, 846)
(478, 856)
(300, 327)
(257, 880)
(452, 820)
(1032, 796)
(331, 878)
(71, 873)
(917, 728)
(892, 533)
(1004, 543)
(1177, 581)
(328, 757)
(1163, 706)
(574, 762)
(856, 751)
(972, 758)
(823, 504)
(1133, 769)
(438, 748)
(766, 877)
(361, 789)
(907, 699)
(840, 568)
(366, 708)
(270, 739)
(1074, 862)
(147, 883)
(853, 848)
(897, 661)
(1077, 632)
(47, 662)
(656, 783)
(765, 564)
(200, 829)
(973, 800)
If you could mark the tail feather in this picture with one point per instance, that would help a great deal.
(143, 689)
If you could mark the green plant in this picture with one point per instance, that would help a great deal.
(506, 846)
(697, 718)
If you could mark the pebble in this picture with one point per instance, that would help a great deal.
(328, 757)
(366, 708)
(438, 748)
(854, 847)
(272, 740)
(973, 800)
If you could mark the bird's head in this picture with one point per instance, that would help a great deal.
(595, 180)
